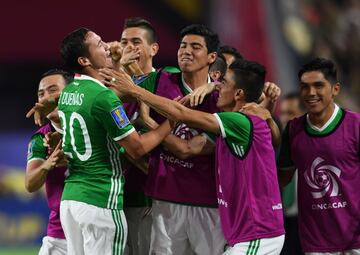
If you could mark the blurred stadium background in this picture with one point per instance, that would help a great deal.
(281, 34)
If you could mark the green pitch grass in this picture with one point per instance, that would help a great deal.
(19, 251)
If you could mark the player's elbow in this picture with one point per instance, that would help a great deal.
(136, 152)
(30, 187)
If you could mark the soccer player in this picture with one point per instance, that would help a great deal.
(181, 179)
(323, 145)
(43, 167)
(138, 37)
(247, 186)
(94, 127)
(230, 54)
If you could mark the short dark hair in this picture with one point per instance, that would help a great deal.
(211, 38)
(144, 24)
(72, 47)
(226, 49)
(68, 77)
(249, 76)
(325, 66)
(219, 65)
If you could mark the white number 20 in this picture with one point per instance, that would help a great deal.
(84, 131)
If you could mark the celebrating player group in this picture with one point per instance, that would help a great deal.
(142, 160)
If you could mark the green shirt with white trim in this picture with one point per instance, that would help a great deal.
(92, 120)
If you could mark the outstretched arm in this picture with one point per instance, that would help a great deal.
(271, 94)
(41, 109)
(181, 148)
(168, 108)
(37, 169)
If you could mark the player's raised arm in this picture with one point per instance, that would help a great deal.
(42, 108)
(168, 108)
(271, 94)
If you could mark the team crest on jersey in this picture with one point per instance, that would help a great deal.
(120, 117)
(323, 179)
(30, 149)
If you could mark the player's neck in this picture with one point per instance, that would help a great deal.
(237, 107)
(148, 68)
(320, 119)
(196, 79)
(92, 73)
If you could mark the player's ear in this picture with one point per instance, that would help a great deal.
(154, 49)
(212, 57)
(84, 61)
(336, 89)
(239, 94)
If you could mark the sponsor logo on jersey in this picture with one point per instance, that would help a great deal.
(120, 117)
(325, 206)
(174, 160)
(30, 149)
(222, 202)
(277, 206)
(322, 179)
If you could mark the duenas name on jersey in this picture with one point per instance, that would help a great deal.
(72, 98)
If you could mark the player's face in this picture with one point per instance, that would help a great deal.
(289, 109)
(317, 93)
(227, 90)
(99, 53)
(137, 38)
(193, 54)
(50, 86)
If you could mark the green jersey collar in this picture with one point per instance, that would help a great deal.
(86, 77)
(329, 126)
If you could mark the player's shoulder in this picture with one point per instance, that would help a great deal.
(352, 114)
(237, 118)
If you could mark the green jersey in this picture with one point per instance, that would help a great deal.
(236, 129)
(92, 120)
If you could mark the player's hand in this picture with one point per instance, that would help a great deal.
(271, 92)
(55, 159)
(119, 81)
(115, 50)
(257, 110)
(197, 96)
(41, 109)
(51, 140)
(129, 55)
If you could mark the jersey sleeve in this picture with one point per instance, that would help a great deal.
(284, 159)
(109, 112)
(236, 129)
(36, 148)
